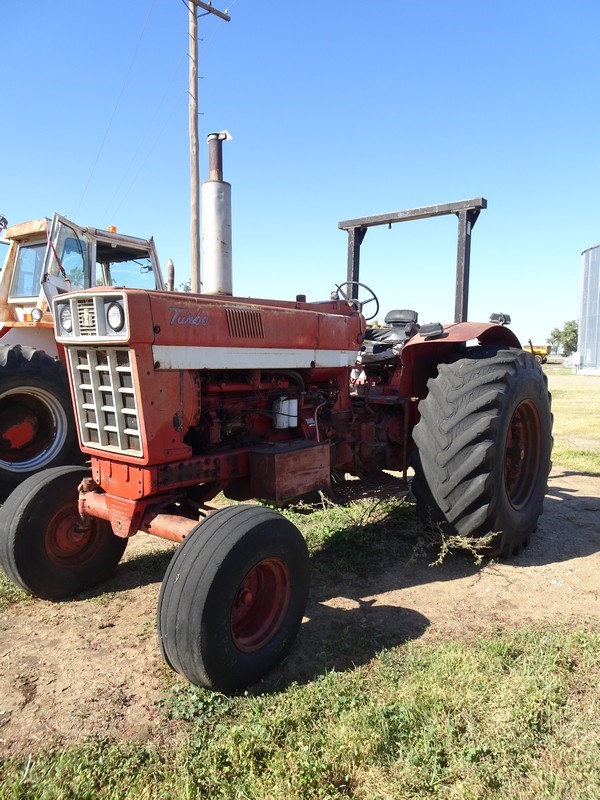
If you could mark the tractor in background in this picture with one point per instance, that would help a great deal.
(539, 351)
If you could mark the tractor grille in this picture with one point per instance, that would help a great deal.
(107, 407)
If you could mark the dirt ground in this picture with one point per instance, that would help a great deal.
(91, 666)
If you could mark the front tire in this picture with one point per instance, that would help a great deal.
(484, 442)
(43, 549)
(233, 597)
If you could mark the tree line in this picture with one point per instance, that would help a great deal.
(565, 341)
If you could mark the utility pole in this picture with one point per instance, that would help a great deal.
(193, 6)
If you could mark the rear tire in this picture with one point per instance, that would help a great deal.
(41, 548)
(233, 597)
(484, 442)
(37, 428)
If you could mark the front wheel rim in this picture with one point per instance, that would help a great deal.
(67, 545)
(261, 604)
(522, 454)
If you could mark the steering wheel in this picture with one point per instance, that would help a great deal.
(360, 303)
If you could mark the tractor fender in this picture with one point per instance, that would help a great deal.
(422, 354)
(459, 332)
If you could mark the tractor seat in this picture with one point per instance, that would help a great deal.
(400, 325)
(385, 343)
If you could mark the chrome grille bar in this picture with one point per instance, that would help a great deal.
(86, 318)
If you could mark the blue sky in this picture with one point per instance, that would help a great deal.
(337, 110)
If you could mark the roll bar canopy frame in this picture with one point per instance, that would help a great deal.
(467, 212)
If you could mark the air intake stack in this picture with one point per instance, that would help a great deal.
(217, 274)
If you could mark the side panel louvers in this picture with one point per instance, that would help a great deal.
(245, 323)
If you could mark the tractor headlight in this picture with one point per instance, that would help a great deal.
(115, 317)
(66, 319)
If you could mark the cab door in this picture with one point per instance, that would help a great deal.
(68, 260)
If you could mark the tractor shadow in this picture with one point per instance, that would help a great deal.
(400, 545)
(346, 627)
(361, 554)
(570, 525)
(341, 639)
(144, 567)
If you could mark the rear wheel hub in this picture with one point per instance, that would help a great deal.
(522, 454)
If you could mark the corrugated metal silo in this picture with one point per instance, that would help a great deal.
(589, 314)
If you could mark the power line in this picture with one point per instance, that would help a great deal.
(131, 174)
(160, 113)
(114, 111)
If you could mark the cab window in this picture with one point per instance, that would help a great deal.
(68, 258)
(133, 273)
(28, 269)
(73, 261)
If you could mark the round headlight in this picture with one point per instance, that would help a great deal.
(37, 314)
(66, 320)
(115, 316)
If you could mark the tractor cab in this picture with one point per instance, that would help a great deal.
(45, 259)
(81, 258)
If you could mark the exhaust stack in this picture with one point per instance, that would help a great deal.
(216, 222)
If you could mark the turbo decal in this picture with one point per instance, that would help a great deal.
(180, 315)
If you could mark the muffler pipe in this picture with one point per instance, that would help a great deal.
(215, 193)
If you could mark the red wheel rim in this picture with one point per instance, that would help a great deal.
(66, 544)
(33, 428)
(18, 429)
(522, 454)
(260, 604)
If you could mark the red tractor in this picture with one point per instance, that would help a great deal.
(179, 397)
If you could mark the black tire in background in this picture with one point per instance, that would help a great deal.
(484, 443)
(233, 597)
(37, 427)
(43, 549)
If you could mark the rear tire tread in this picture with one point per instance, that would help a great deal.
(460, 439)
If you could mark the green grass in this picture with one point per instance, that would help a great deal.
(575, 404)
(585, 462)
(506, 716)
(357, 538)
(10, 594)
